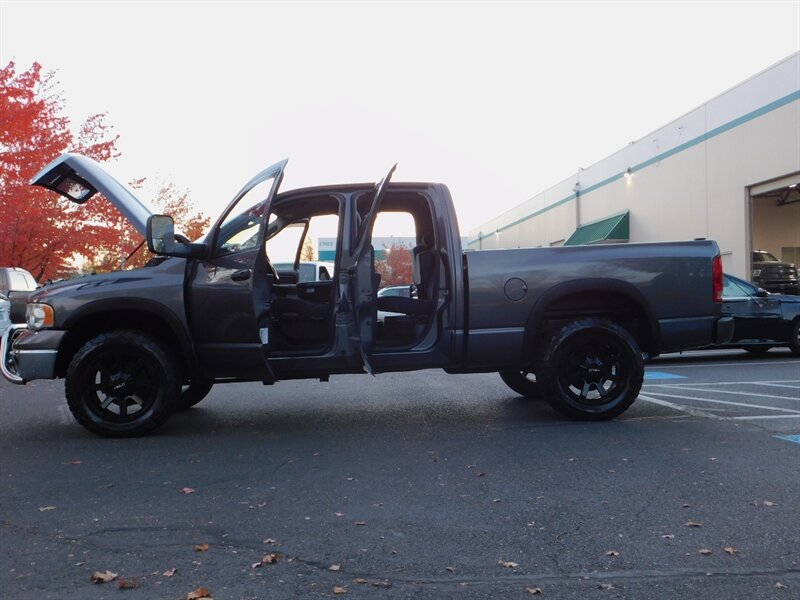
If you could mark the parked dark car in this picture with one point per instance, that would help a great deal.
(774, 275)
(761, 320)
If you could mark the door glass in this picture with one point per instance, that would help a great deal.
(283, 246)
(239, 230)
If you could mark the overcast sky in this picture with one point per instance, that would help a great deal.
(499, 101)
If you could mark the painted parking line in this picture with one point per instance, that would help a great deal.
(648, 375)
(777, 382)
(726, 402)
(735, 364)
(789, 438)
(698, 389)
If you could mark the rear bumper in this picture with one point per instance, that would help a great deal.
(694, 332)
(724, 333)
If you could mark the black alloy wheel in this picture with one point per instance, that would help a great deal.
(591, 369)
(122, 384)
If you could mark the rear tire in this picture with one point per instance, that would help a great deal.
(192, 394)
(122, 384)
(591, 369)
(522, 382)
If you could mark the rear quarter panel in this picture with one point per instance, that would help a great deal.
(672, 280)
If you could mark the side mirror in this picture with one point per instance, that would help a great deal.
(161, 234)
(161, 239)
(761, 293)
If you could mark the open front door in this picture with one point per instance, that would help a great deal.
(366, 281)
(231, 291)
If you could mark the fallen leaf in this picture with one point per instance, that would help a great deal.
(612, 553)
(334, 567)
(705, 551)
(339, 514)
(451, 569)
(480, 474)
(605, 586)
(361, 522)
(187, 490)
(339, 590)
(768, 503)
(46, 508)
(103, 576)
(693, 524)
(384, 584)
(201, 547)
(668, 536)
(496, 500)
(686, 506)
(508, 564)
(270, 559)
(731, 550)
(200, 592)
(360, 580)
(73, 462)
(573, 459)
(533, 591)
(169, 572)
(780, 586)
(127, 584)
(269, 541)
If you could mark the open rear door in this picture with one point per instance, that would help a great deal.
(365, 283)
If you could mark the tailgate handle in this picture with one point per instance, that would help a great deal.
(242, 275)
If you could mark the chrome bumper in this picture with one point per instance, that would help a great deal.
(7, 364)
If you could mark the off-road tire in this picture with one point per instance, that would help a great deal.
(522, 382)
(192, 393)
(591, 369)
(117, 372)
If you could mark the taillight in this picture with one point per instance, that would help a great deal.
(716, 275)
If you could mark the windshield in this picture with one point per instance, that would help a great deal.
(763, 256)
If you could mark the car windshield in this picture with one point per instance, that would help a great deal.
(764, 256)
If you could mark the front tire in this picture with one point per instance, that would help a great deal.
(591, 369)
(522, 382)
(122, 384)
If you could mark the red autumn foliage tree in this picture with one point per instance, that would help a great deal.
(397, 268)
(39, 230)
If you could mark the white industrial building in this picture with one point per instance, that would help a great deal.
(727, 171)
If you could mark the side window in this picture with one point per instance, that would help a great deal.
(283, 246)
(240, 228)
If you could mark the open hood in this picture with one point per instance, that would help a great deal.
(78, 178)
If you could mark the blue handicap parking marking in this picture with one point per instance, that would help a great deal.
(790, 438)
(662, 375)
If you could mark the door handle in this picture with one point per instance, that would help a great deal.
(242, 275)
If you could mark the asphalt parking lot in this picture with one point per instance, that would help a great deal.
(416, 485)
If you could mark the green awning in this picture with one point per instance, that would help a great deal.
(610, 230)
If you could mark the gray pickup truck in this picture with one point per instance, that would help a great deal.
(570, 325)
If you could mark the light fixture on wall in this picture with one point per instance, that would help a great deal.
(628, 174)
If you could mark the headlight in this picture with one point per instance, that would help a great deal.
(39, 316)
(756, 272)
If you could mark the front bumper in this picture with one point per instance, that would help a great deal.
(29, 355)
